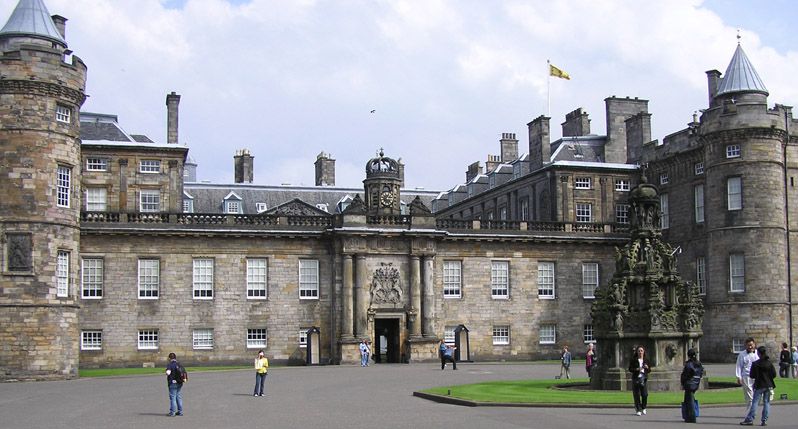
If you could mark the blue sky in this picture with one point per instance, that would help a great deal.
(289, 79)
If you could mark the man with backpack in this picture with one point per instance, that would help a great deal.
(175, 377)
(691, 380)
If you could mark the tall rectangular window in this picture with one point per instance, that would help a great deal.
(150, 166)
(91, 340)
(256, 278)
(308, 279)
(256, 338)
(587, 334)
(202, 339)
(582, 183)
(701, 275)
(149, 278)
(92, 278)
(150, 201)
(546, 280)
(622, 185)
(451, 279)
(698, 192)
(203, 278)
(525, 209)
(548, 334)
(148, 339)
(96, 199)
(62, 274)
(736, 272)
(733, 151)
(590, 279)
(699, 168)
(499, 279)
(664, 218)
(622, 213)
(584, 212)
(63, 186)
(63, 114)
(501, 335)
(734, 193)
(96, 164)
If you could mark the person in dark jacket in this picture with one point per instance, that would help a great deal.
(691, 381)
(785, 359)
(639, 366)
(762, 372)
(174, 381)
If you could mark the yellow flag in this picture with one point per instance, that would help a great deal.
(562, 74)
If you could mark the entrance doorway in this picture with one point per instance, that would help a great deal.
(386, 341)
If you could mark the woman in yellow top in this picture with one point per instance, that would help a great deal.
(261, 368)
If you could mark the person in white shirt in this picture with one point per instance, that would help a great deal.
(745, 359)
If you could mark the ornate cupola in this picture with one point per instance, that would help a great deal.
(382, 183)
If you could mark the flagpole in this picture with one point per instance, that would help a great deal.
(548, 88)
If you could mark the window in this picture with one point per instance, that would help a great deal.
(63, 114)
(737, 272)
(499, 279)
(232, 207)
(96, 164)
(150, 201)
(203, 278)
(448, 334)
(699, 168)
(92, 278)
(256, 338)
(256, 278)
(501, 335)
(149, 278)
(546, 280)
(63, 186)
(622, 213)
(323, 207)
(203, 339)
(150, 166)
(590, 279)
(737, 346)
(587, 333)
(308, 279)
(701, 275)
(62, 274)
(503, 213)
(664, 179)
(664, 218)
(733, 151)
(188, 205)
(303, 337)
(698, 192)
(451, 279)
(622, 185)
(582, 183)
(91, 340)
(148, 339)
(96, 199)
(525, 209)
(584, 212)
(548, 334)
(734, 192)
(262, 207)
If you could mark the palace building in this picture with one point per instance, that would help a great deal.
(113, 254)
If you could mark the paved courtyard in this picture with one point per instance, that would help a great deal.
(330, 397)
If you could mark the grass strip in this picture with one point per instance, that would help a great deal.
(113, 372)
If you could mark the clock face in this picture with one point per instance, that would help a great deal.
(386, 199)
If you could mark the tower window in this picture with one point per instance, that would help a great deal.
(733, 151)
(63, 186)
(63, 114)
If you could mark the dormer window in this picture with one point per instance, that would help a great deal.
(322, 207)
(261, 207)
(188, 203)
(492, 181)
(232, 204)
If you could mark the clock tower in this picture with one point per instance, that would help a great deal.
(382, 185)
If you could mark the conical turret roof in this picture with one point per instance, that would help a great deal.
(741, 76)
(31, 18)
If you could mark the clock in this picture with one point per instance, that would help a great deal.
(386, 199)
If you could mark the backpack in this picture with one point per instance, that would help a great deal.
(694, 382)
(179, 375)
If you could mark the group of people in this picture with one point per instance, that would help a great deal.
(566, 358)
(756, 374)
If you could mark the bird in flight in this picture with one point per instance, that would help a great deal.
(373, 110)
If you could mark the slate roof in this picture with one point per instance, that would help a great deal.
(96, 126)
(583, 148)
(31, 18)
(741, 76)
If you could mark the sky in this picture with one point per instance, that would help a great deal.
(288, 79)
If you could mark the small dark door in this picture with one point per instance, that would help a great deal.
(386, 341)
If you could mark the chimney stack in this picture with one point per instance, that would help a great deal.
(60, 25)
(509, 147)
(473, 171)
(576, 123)
(638, 133)
(539, 142)
(244, 164)
(492, 162)
(325, 170)
(172, 103)
(713, 81)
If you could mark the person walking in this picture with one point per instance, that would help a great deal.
(785, 361)
(447, 354)
(762, 372)
(745, 359)
(174, 380)
(565, 359)
(639, 366)
(794, 364)
(261, 369)
(590, 360)
(691, 380)
(365, 352)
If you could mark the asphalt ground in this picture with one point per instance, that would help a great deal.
(378, 396)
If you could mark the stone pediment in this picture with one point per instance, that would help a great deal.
(296, 207)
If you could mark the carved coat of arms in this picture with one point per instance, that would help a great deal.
(386, 285)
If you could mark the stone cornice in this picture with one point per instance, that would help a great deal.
(44, 89)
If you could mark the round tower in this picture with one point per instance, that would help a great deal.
(744, 146)
(382, 184)
(40, 98)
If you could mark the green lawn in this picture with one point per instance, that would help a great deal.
(110, 372)
(542, 392)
